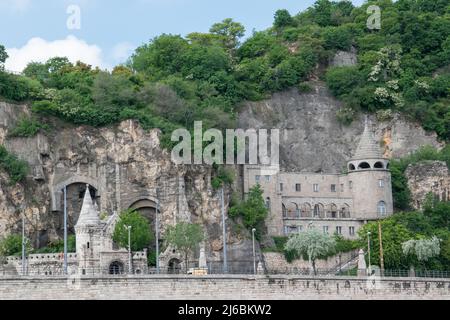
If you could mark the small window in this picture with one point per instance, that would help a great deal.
(88, 245)
(298, 187)
(339, 230)
(325, 229)
(350, 185)
(281, 187)
(257, 179)
(351, 231)
(381, 183)
(333, 188)
(342, 187)
(316, 188)
(267, 178)
(382, 208)
(268, 203)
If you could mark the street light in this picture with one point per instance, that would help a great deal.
(224, 226)
(23, 245)
(254, 252)
(368, 251)
(130, 268)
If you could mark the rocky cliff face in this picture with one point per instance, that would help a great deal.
(428, 177)
(312, 140)
(125, 168)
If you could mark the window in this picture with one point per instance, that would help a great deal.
(333, 188)
(268, 203)
(339, 230)
(267, 178)
(382, 208)
(342, 187)
(257, 179)
(381, 183)
(88, 245)
(316, 188)
(325, 229)
(351, 231)
(281, 187)
(298, 187)
(350, 185)
(284, 211)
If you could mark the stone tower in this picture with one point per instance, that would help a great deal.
(369, 179)
(88, 236)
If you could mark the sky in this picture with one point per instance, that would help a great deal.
(104, 33)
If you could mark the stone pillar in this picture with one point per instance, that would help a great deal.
(260, 269)
(202, 258)
(362, 267)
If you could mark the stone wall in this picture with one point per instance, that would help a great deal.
(219, 287)
(276, 262)
(428, 177)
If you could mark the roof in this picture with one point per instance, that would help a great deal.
(88, 215)
(368, 147)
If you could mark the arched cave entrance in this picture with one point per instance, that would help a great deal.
(147, 208)
(116, 268)
(174, 266)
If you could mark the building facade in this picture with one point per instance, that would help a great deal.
(335, 203)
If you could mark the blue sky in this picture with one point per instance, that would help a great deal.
(111, 29)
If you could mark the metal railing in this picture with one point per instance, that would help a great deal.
(217, 269)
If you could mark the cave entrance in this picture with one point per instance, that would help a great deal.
(147, 208)
(75, 195)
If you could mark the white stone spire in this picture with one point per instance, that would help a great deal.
(368, 147)
(88, 214)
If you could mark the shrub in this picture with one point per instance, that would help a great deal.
(15, 168)
(28, 127)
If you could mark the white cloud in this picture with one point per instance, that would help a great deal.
(15, 5)
(122, 51)
(40, 50)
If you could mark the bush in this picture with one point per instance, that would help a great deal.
(15, 168)
(12, 246)
(58, 246)
(28, 127)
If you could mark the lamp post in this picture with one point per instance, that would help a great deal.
(368, 251)
(130, 267)
(254, 251)
(65, 228)
(23, 245)
(157, 234)
(225, 263)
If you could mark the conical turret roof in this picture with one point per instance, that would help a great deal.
(88, 214)
(368, 147)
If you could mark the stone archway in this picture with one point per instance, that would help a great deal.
(174, 266)
(146, 206)
(116, 268)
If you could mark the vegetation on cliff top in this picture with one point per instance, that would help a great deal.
(174, 80)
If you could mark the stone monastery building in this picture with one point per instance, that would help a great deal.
(335, 203)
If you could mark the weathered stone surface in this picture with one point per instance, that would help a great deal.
(224, 288)
(345, 58)
(428, 177)
(312, 140)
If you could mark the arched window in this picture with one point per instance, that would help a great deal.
(318, 211)
(379, 165)
(116, 267)
(284, 211)
(364, 165)
(268, 203)
(382, 208)
(333, 211)
(351, 167)
(306, 210)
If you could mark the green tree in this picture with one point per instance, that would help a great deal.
(312, 245)
(184, 237)
(282, 19)
(393, 236)
(253, 210)
(230, 31)
(12, 246)
(16, 169)
(141, 236)
(3, 56)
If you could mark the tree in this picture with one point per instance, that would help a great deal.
(423, 249)
(230, 32)
(12, 246)
(282, 19)
(141, 236)
(394, 234)
(3, 56)
(253, 210)
(311, 244)
(185, 237)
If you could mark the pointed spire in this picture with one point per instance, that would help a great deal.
(88, 214)
(368, 147)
